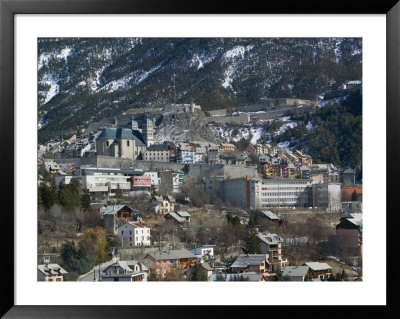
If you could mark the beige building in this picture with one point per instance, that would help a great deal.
(271, 244)
(121, 142)
(157, 152)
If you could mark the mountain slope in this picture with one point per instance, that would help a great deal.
(83, 80)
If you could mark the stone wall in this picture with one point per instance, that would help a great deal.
(241, 118)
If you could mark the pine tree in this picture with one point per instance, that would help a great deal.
(85, 200)
(251, 242)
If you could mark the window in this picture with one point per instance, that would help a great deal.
(130, 232)
(122, 232)
(108, 143)
(127, 143)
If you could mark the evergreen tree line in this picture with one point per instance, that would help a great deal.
(336, 134)
(69, 196)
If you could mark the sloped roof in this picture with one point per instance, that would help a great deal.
(172, 254)
(318, 266)
(176, 216)
(183, 213)
(295, 271)
(158, 147)
(270, 239)
(52, 269)
(353, 218)
(113, 209)
(270, 214)
(243, 261)
(113, 133)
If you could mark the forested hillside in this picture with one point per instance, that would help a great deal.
(82, 80)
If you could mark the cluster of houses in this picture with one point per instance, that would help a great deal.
(282, 178)
(127, 224)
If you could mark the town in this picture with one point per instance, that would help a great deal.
(119, 201)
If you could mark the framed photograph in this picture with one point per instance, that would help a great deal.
(211, 156)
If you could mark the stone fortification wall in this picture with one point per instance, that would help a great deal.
(241, 118)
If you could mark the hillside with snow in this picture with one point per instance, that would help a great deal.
(82, 80)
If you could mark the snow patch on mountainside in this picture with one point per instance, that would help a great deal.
(230, 57)
(52, 91)
(133, 78)
(45, 57)
(284, 127)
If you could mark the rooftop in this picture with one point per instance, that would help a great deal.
(113, 209)
(318, 266)
(51, 269)
(158, 147)
(270, 239)
(242, 261)
(295, 271)
(172, 254)
(123, 133)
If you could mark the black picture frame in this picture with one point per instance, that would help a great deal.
(8, 9)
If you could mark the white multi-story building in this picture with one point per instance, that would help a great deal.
(155, 180)
(134, 234)
(102, 181)
(186, 154)
(262, 193)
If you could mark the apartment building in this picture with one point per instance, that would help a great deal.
(262, 193)
(271, 244)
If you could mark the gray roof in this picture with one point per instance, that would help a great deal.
(318, 266)
(158, 147)
(183, 213)
(270, 239)
(270, 215)
(113, 209)
(242, 261)
(295, 271)
(172, 254)
(176, 216)
(51, 269)
(113, 133)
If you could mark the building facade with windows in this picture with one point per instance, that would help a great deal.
(262, 193)
(157, 152)
(121, 142)
(134, 234)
